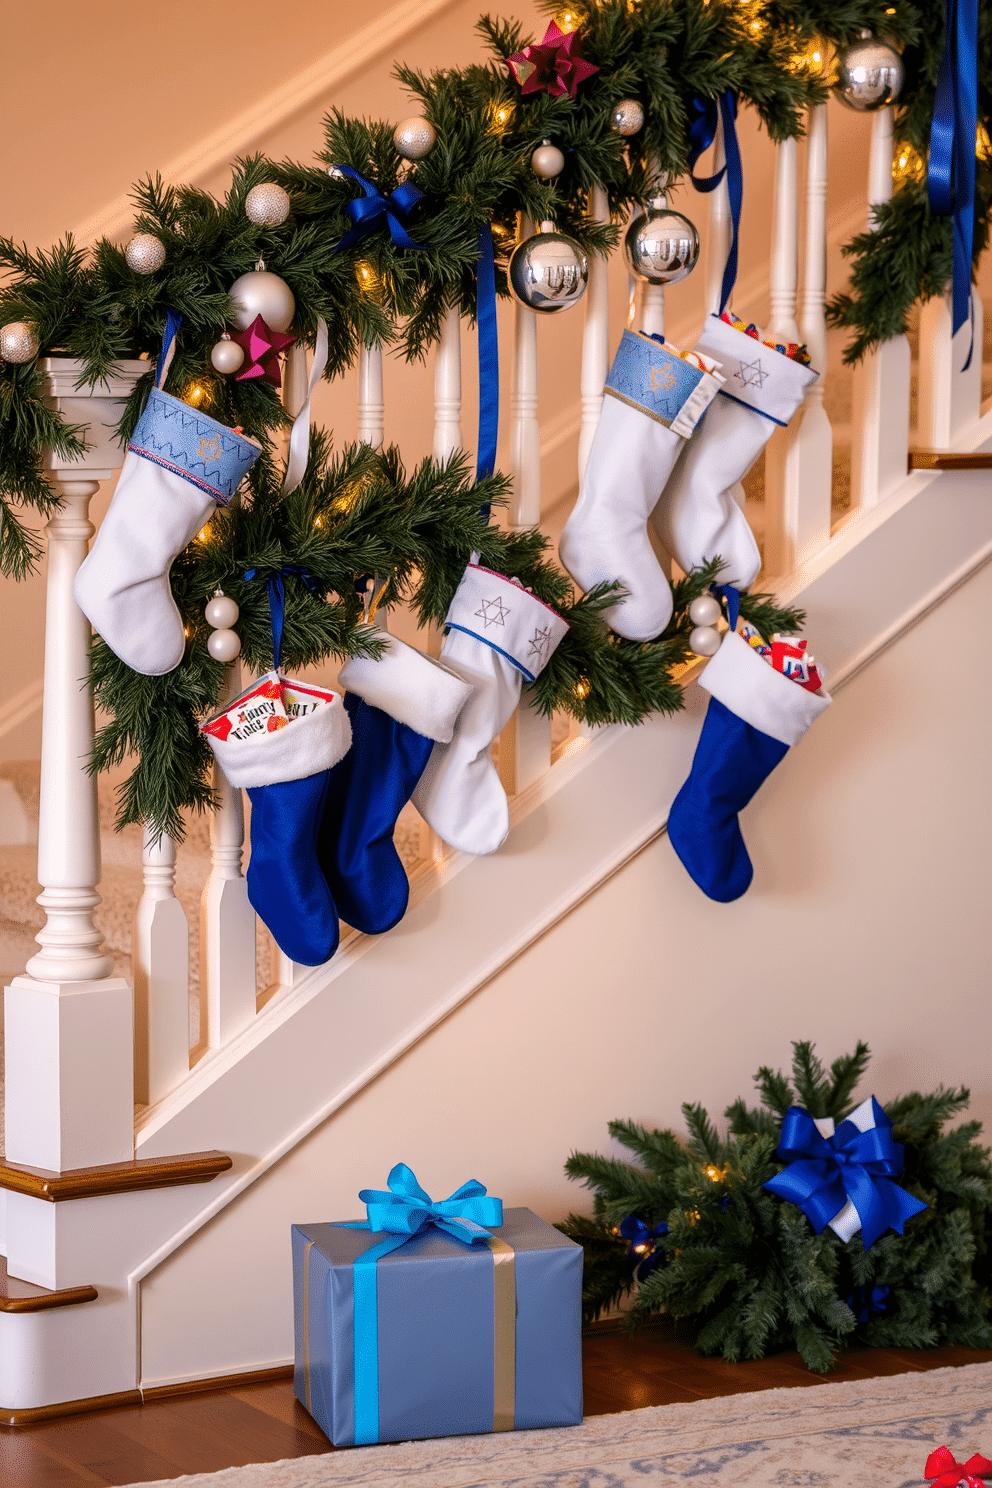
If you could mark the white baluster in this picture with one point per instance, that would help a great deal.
(525, 433)
(227, 920)
(371, 404)
(448, 387)
(782, 520)
(296, 377)
(69, 1038)
(881, 388)
(652, 307)
(160, 959)
(718, 248)
(596, 335)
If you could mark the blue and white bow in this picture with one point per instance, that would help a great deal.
(406, 1208)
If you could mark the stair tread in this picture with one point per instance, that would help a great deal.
(109, 1178)
(24, 1296)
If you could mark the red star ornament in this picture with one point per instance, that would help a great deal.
(262, 348)
(552, 65)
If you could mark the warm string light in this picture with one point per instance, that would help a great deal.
(582, 688)
(983, 144)
(908, 164)
(196, 394)
(567, 20)
(501, 116)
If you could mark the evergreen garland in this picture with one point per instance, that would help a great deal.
(745, 1265)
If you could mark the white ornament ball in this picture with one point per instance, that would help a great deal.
(705, 610)
(703, 641)
(548, 271)
(224, 645)
(869, 74)
(221, 612)
(627, 117)
(662, 246)
(547, 161)
(267, 204)
(18, 342)
(145, 253)
(264, 294)
(227, 356)
(414, 138)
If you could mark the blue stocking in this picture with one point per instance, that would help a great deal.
(285, 884)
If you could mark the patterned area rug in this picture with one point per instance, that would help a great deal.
(876, 1432)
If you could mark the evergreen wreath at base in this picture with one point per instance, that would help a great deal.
(746, 1267)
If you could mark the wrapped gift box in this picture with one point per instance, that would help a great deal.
(470, 1338)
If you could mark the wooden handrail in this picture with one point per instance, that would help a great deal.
(24, 1296)
(948, 460)
(113, 1178)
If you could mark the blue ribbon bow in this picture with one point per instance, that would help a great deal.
(702, 133)
(485, 318)
(823, 1173)
(727, 592)
(869, 1302)
(406, 1208)
(277, 600)
(644, 1245)
(951, 169)
(366, 212)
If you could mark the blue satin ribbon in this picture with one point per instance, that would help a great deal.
(824, 1172)
(485, 319)
(368, 211)
(277, 601)
(702, 133)
(869, 1302)
(402, 1211)
(173, 320)
(951, 168)
(644, 1245)
(733, 599)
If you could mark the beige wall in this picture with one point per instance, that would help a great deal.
(866, 920)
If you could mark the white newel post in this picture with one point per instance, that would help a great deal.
(160, 963)
(69, 1023)
(881, 388)
(781, 476)
(596, 334)
(371, 402)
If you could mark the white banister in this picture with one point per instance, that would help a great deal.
(448, 387)
(880, 400)
(596, 333)
(781, 475)
(160, 962)
(525, 432)
(950, 394)
(652, 307)
(371, 403)
(718, 248)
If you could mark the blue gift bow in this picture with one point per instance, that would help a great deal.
(868, 1302)
(637, 1233)
(824, 1172)
(277, 600)
(402, 1212)
(951, 168)
(367, 211)
(702, 133)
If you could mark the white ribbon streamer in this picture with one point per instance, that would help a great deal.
(299, 439)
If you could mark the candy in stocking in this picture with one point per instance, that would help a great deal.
(180, 466)
(698, 518)
(498, 636)
(654, 397)
(285, 765)
(755, 714)
(400, 706)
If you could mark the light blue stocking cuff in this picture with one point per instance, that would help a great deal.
(185, 441)
(649, 377)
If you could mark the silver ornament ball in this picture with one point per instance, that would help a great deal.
(224, 645)
(221, 612)
(662, 246)
(18, 342)
(414, 138)
(548, 271)
(627, 117)
(705, 610)
(145, 253)
(703, 641)
(227, 356)
(267, 204)
(869, 74)
(264, 294)
(547, 161)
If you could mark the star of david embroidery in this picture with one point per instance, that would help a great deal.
(493, 612)
(211, 449)
(752, 374)
(662, 379)
(539, 643)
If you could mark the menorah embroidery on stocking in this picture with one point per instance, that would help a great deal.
(493, 612)
(539, 643)
(752, 374)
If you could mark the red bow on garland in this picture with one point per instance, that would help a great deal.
(946, 1473)
(552, 65)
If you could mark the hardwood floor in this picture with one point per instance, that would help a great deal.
(263, 1423)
